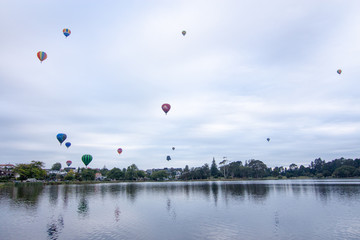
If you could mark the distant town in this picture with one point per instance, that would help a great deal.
(226, 170)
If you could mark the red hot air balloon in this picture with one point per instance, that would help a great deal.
(41, 55)
(119, 150)
(68, 163)
(166, 107)
(339, 71)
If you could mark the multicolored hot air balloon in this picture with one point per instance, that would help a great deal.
(339, 71)
(66, 32)
(166, 107)
(68, 144)
(268, 139)
(61, 137)
(168, 158)
(68, 163)
(87, 158)
(41, 55)
(119, 150)
(183, 33)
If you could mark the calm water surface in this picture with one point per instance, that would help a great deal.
(281, 209)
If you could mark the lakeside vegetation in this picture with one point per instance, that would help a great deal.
(237, 170)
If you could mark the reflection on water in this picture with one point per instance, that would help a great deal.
(117, 214)
(54, 228)
(23, 194)
(183, 210)
(83, 207)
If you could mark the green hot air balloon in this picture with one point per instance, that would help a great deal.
(86, 159)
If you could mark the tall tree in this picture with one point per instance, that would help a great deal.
(258, 168)
(56, 166)
(131, 172)
(214, 171)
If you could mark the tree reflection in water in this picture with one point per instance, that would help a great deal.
(215, 192)
(83, 207)
(170, 209)
(131, 190)
(26, 194)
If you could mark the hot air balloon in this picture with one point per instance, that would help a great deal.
(41, 55)
(61, 137)
(339, 71)
(183, 33)
(166, 107)
(66, 32)
(68, 144)
(119, 150)
(86, 159)
(168, 158)
(173, 148)
(268, 139)
(68, 163)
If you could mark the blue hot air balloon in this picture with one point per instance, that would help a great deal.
(61, 137)
(68, 144)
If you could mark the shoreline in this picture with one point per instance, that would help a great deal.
(11, 183)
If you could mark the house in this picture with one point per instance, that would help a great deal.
(98, 176)
(6, 169)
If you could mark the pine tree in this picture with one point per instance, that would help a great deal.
(214, 171)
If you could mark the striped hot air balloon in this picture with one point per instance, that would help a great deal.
(66, 32)
(87, 158)
(41, 55)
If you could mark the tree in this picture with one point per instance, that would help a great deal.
(131, 172)
(159, 175)
(214, 171)
(32, 170)
(104, 171)
(293, 166)
(140, 174)
(186, 173)
(56, 166)
(344, 171)
(116, 174)
(87, 174)
(258, 168)
(70, 175)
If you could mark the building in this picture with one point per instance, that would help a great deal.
(7, 169)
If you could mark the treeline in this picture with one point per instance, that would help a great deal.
(254, 169)
(251, 169)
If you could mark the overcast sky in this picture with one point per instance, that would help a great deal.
(245, 71)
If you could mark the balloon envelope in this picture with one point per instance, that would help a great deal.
(168, 158)
(66, 32)
(173, 148)
(183, 33)
(268, 139)
(68, 163)
(61, 137)
(87, 158)
(339, 71)
(166, 107)
(119, 150)
(68, 144)
(41, 56)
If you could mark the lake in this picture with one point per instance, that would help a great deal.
(269, 209)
